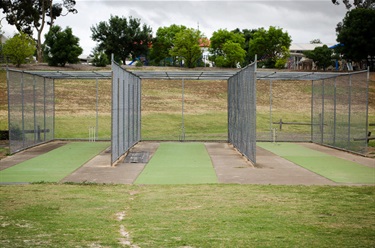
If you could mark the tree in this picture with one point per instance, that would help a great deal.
(100, 59)
(227, 48)
(365, 4)
(270, 46)
(315, 41)
(122, 37)
(19, 48)
(357, 35)
(164, 42)
(322, 56)
(61, 47)
(186, 47)
(248, 35)
(27, 15)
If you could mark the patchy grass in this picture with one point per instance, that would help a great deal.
(53, 215)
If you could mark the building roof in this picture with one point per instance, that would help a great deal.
(306, 46)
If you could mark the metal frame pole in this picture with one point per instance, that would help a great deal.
(334, 112)
(322, 116)
(23, 111)
(9, 113)
(312, 111)
(349, 109)
(271, 109)
(367, 103)
(97, 110)
(34, 109)
(182, 138)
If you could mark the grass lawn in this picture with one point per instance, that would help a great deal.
(62, 215)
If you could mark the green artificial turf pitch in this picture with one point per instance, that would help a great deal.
(179, 163)
(54, 165)
(336, 169)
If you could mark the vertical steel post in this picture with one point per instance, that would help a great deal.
(182, 138)
(334, 113)
(97, 109)
(34, 114)
(322, 116)
(53, 108)
(44, 109)
(271, 109)
(23, 111)
(312, 112)
(367, 103)
(9, 110)
(350, 109)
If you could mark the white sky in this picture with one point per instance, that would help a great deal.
(303, 20)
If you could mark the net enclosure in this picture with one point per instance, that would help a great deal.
(337, 114)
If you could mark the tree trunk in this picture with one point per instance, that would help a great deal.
(39, 51)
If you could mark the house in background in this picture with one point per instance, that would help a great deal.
(298, 60)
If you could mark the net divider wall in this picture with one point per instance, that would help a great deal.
(126, 111)
(242, 111)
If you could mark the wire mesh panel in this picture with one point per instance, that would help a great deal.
(30, 110)
(340, 112)
(126, 111)
(83, 109)
(242, 111)
(283, 110)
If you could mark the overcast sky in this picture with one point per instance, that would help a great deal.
(303, 20)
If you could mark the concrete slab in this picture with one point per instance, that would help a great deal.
(99, 169)
(231, 167)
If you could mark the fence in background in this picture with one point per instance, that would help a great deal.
(242, 111)
(339, 112)
(126, 111)
(30, 110)
(284, 110)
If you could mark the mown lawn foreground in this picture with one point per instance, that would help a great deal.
(68, 215)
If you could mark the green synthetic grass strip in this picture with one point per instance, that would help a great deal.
(179, 163)
(336, 169)
(54, 165)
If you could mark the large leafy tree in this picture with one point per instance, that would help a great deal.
(30, 15)
(322, 56)
(61, 47)
(186, 47)
(271, 46)
(366, 4)
(19, 48)
(164, 42)
(248, 35)
(122, 37)
(227, 48)
(357, 35)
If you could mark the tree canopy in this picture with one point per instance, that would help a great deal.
(33, 14)
(322, 56)
(19, 48)
(357, 35)
(365, 4)
(186, 47)
(271, 46)
(248, 35)
(227, 48)
(122, 37)
(61, 47)
(164, 42)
